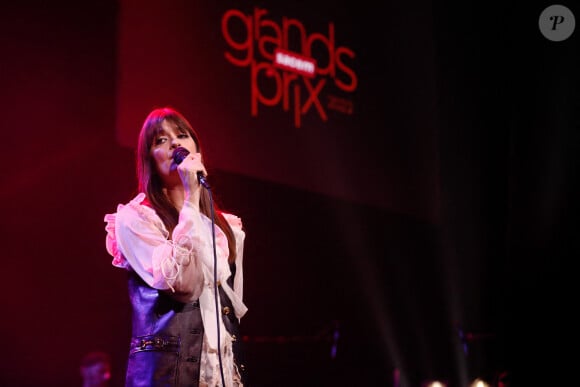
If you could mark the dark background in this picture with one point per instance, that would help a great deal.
(442, 209)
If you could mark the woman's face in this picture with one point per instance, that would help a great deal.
(166, 141)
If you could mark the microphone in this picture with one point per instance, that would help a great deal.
(179, 154)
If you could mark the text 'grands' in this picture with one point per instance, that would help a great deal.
(256, 41)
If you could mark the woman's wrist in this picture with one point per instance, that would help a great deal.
(191, 201)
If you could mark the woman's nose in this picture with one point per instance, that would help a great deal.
(175, 143)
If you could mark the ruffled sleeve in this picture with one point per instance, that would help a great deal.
(240, 235)
(111, 242)
(138, 239)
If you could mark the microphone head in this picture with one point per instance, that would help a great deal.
(179, 154)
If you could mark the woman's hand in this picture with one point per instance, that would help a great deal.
(188, 169)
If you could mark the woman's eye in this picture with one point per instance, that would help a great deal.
(183, 135)
(160, 140)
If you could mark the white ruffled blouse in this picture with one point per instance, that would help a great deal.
(138, 239)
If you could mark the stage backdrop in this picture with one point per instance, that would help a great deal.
(407, 175)
(333, 100)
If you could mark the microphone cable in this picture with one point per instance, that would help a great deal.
(203, 182)
(179, 154)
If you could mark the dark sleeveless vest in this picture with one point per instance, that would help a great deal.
(167, 337)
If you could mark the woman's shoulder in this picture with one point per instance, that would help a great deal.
(126, 214)
(233, 220)
(138, 207)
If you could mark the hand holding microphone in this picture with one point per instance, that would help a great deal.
(179, 154)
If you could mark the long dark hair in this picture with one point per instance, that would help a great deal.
(150, 182)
